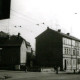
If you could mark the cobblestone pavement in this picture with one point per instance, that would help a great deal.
(22, 75)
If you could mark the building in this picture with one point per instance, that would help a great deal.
(5, 9)
(13, 52)
(56, 49)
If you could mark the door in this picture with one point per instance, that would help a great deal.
(65, 65)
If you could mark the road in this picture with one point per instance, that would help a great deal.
(21, 75)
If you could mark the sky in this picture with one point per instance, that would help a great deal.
(55, 14)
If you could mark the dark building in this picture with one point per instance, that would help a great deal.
(13, 52)
(5, 9)
(56, 49)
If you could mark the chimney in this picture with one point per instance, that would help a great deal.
(47, 27)
(68, 34)
(18, 35)
(59, 30)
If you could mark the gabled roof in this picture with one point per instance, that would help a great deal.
(14, 40)
(60, 33)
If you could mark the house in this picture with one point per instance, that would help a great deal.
(13, 52)
(56, 49)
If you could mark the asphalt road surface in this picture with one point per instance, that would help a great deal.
(22, 75)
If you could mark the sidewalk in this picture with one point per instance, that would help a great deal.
(69, 72)
(23, 74)
(8, 74)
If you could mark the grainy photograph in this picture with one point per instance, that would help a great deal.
(39, 40)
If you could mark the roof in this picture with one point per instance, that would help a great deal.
(13, 40)
(3, 34)
(60, 33)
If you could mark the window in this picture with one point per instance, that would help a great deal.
(67, 41)
(78, 60)
(69, 61)
(77, 44)
(73, 42)
(67, 50)
(74, 62)
(64, 40)
(74, 52)
(78, 53)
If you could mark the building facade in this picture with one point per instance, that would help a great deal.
(71, 54)
(56, 49)
(13, 52)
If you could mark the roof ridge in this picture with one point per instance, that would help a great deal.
(69, 36)
(62, 34)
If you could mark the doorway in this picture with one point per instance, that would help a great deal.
(65, 65)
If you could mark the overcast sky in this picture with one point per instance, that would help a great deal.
(57, 14)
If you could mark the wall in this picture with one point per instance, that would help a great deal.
(71, 53)
(10, 57)
(49, 49)
(23, 53)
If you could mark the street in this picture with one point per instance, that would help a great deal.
(22, 75)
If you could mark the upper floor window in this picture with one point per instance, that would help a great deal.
(78, 60)
(69, 62)
(74, 52)
(67, 50)
(73, 42)
(77, 52)
(74, 61)
(67, 41)
(79, 44)
(64, 40)
(76, 43)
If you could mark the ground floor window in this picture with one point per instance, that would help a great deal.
(74, 62)
(78, 60)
